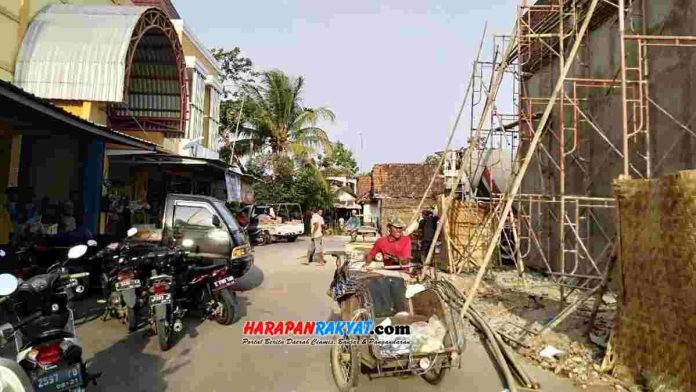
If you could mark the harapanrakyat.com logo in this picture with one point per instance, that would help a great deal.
(320, 332)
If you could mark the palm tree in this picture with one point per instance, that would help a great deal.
(275, 120)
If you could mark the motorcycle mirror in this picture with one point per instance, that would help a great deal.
(77, 251)
(131, 232)
(8, 284)
(92, 243)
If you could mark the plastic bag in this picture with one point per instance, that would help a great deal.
(428, 337)
(391, 345)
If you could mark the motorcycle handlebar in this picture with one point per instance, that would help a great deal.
(76, 276)
(7, 330)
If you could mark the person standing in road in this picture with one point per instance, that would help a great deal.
(316, 248)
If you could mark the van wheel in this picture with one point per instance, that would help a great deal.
(292, 238)
(264, 238)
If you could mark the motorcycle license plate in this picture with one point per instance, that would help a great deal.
(165, 298)
(222, 283)
(60, 380)
(128, 284)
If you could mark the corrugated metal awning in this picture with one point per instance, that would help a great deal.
(77, 52)
(128, 56)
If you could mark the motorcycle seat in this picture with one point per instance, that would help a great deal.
(205, 268)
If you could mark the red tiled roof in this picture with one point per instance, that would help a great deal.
(405, 180)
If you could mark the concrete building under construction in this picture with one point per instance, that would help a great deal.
(619, 88)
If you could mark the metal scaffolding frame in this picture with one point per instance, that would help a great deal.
(552, 34)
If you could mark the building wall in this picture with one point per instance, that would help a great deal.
(204, 96)
(672, 84)
(370, 212)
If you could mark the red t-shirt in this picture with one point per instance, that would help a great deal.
(400, 249)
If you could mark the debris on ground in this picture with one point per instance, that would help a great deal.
(518, 308)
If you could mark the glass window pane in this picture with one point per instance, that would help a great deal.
(193, 217)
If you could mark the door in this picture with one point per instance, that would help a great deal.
(194, 228)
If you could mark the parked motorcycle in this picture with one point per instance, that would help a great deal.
(165, 310)
(80, 290)
(207, 288)
(44, 333)
(32, 259)
(122, 277)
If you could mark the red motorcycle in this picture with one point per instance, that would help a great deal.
(175, 288)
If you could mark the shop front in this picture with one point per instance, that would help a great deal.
(139, 183)
(51, 166)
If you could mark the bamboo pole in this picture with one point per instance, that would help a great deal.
(451, 135)
(531, 149)
(492, 93)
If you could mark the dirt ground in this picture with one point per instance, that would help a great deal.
(518, 307)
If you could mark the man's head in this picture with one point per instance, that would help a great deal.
(395, 226)
(320, 211)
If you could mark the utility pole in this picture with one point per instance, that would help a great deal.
(360, 153)
(236, 131)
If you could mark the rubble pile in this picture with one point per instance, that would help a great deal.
(518, 307)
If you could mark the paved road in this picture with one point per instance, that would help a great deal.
(210, 357)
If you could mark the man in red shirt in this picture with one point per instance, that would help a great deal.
(395, 247)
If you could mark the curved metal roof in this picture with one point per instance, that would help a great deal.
(77, 52)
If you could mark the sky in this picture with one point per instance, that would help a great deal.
(394, 71)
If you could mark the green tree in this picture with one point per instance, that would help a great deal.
(432, 159)
(343, 157)
(279, 122)
(236, 69)
(305, 186)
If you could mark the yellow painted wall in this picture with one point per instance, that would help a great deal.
(9, 28)
(191, 50)
(155, 137)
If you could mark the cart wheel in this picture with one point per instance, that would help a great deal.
(345, 366)
(435, 375)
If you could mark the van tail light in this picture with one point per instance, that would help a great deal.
(160, 287)
(45, 355)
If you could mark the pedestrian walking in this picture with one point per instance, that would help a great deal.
(316, 245)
